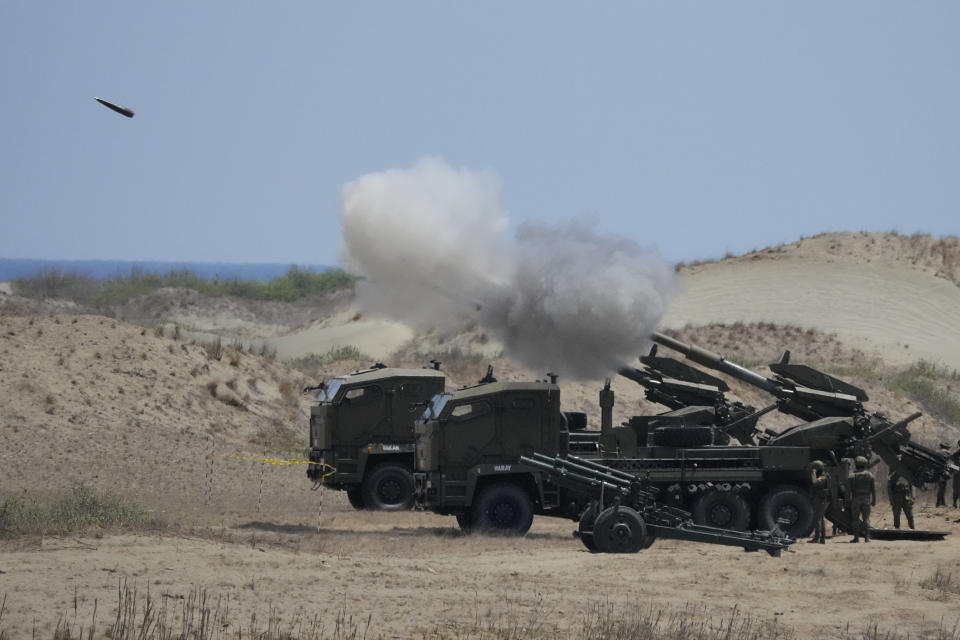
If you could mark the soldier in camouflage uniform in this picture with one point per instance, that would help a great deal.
(901, 498)
(820, 494)
(955, 457)
(863, 495)
(942, 481)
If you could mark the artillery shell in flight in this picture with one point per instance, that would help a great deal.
(121, 110)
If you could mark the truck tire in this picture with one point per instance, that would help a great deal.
(388, 487)
(619, 530)
(693, 436)
(355, 496)
(722, 509)
(503, 509)
(790, 503)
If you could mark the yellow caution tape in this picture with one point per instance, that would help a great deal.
(280, 462)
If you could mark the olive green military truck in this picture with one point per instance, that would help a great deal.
(361, 425)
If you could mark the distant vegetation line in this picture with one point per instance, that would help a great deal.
(295, 284)
(13, 269)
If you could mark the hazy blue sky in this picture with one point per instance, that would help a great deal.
(697, 127)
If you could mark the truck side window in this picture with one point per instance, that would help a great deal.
(464, 412)
(363, 395)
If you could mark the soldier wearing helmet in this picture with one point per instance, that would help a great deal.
(955, 458)
(820, 495)
(901, 498)
(942, 480)
(863, 495)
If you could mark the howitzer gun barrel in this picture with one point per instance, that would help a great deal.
(572, 463)
(894, 427)
(716, 362)
(639, 376)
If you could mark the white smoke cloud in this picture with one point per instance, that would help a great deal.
(432, 243)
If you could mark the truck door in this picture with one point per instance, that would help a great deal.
(469, 433)
(364, 413)
(522, 426)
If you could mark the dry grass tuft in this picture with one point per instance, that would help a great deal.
(80, 510)
(942, 583)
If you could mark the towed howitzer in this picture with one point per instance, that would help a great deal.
(625, 517)
(836, 419)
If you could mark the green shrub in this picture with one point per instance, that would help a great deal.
(295, 284)
(926, 384)
(79, 510)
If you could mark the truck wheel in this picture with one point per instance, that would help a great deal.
(789, 503)
(723, 510)
(465, 521)
(619, 530)
(355, 496)
(585, 528)
(503, 509)
(389, 487)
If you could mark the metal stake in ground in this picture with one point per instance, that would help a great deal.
(323, 479)
(263, 465)
(209, 471)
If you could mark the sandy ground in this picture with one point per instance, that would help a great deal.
(412, 573)
(375, 338)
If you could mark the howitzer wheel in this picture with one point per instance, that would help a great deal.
(585, 528)
(355, 496)
(619, 530)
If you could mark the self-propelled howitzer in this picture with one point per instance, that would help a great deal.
(679, 386)
(837, 423)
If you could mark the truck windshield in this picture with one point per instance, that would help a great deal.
(435, 407)
(329, 390)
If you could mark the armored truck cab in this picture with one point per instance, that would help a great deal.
(469, 443)
(362, 426)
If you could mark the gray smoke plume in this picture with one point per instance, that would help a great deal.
(432, 243)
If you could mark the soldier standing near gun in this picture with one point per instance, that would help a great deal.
(863, 495)
(942, 481)
(955, 458)
(900, 492)
(820, 492)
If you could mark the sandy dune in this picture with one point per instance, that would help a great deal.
(375, 338)
(904, 314)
